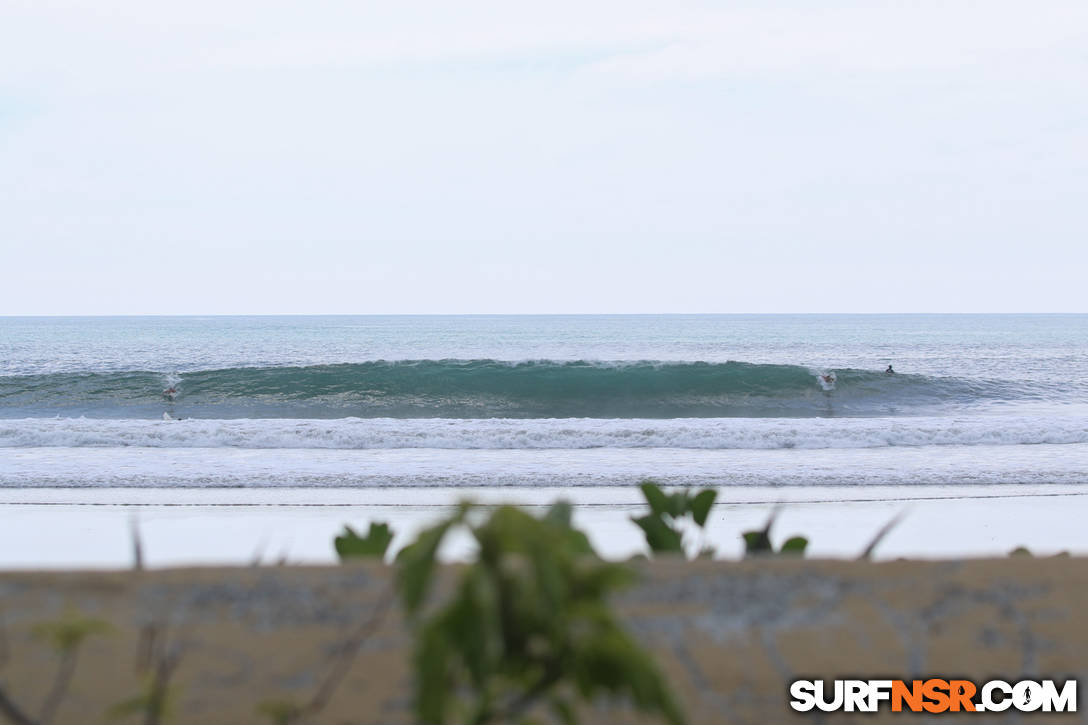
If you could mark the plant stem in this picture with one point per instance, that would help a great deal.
(65, 669)
(346, 657)
(12, 712)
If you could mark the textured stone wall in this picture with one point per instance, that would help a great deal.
(729, 635)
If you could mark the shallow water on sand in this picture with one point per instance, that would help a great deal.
(91, 527)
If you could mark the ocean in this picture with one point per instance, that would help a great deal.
(359, 402)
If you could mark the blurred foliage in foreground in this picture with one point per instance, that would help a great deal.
(526, 628)
(758, 543)
(664, 525)
(525, 631)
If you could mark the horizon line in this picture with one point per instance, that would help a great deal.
(512, 314)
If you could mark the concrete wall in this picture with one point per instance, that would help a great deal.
(728, 634)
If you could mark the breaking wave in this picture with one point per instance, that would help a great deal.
(493, 389)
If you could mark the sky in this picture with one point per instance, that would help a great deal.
(228, 157)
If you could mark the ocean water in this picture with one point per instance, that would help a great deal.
(449, 401)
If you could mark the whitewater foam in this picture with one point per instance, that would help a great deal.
(583, 433)
(365, 469)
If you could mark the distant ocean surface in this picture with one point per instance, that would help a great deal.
(344, 401)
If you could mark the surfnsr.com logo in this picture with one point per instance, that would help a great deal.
(933, 695)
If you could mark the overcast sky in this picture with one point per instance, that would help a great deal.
(317, 157)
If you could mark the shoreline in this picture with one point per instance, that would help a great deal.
(89, 528)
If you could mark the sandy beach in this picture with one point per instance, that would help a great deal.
(726, 634)
(80, 527)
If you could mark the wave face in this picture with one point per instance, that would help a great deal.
(547, 434)
(492, 389)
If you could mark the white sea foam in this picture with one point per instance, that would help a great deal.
(500, 434)
(943, 466)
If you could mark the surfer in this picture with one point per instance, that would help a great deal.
(829, 378)
(170, 393)
(889, 371)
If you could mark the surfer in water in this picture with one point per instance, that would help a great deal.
(170, 393)
(889, 371)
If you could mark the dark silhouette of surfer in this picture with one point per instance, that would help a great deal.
(889, 371)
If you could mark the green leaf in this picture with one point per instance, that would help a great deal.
(527, 626)
(127, 708)
(794, 545)
(432, 668)
(700, 505)
(563, 711)
(756, 542)
(578, 543)
(660, 537)
(279, 712)
(415, 564)
(155, 704)
(759, 542)
(678, 504)
(65, 635)
(560, 513)
(655, 497)
(469, 621)
(350, 545)
(608, 661)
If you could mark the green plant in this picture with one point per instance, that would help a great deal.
(280, 712)
(867, 553)
(527, 624)
(662, 526)
(159, 659)
(155, 702)
(758, 543)
(65, 636)
(350, 545)
(1026, 552)
(287, 712)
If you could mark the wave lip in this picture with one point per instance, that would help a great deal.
(492, 389)
(508, 434)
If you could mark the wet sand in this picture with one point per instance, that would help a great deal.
(49, 528)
